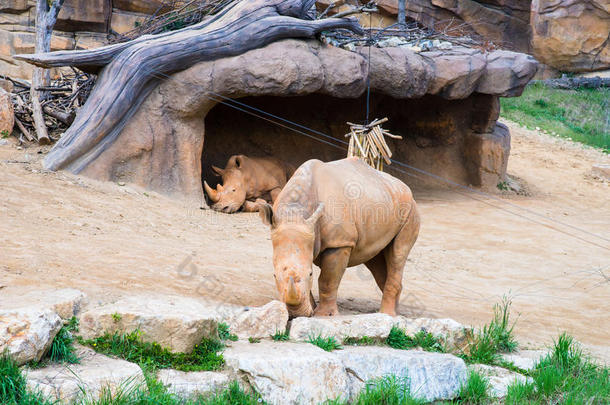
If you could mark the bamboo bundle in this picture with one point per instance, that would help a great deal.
(368, 142)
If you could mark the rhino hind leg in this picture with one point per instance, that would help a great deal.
(332, 266)
(396, 254)
(378, 268)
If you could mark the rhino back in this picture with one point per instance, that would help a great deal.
(363, 208)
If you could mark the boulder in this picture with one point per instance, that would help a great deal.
(431, 376)
(499, 378)
(289, 373)
(454, 335)
(525, 359)
(190, 384)
(340, 327)
(65, 302)
(27, 333)
(175, 322)
(571, 35)
(93, 375)
(7, 117)
(259, 322)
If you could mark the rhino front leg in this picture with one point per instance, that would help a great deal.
(332, 265)
(252, 206)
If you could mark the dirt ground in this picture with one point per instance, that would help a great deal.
(59, 230)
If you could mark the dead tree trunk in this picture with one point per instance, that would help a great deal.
(45, 20)
(132, 69)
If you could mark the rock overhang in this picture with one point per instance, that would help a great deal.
(299, 67)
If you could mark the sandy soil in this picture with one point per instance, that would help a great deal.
(59, 230)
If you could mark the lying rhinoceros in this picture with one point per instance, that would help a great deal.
(246, 180)
(337, 215)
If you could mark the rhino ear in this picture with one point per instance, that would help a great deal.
(265, 211)
(239, 161)
(218, 171)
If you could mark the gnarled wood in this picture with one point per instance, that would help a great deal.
(133, 69)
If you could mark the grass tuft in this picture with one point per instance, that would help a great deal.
(13, 386)
(281, 336)
(475, 390)
(494, 338)
(388, 390)
(254, 340)
(224, 333)
(62, 348)
(329, 344)
(151, 355)
(398, 339)
(361, 341)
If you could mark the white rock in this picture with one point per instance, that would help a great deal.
(189, 384)
(454, 335)
(373, 325)
(175, 322)
(94, 373)
(27, 333)
(66, 302)
(289, 373)
(525, 359)
(259, 322)
(499, 378)
(431, 376)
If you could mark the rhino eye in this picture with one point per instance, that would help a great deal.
(233, 190)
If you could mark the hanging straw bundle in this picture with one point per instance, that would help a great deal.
(368, 142)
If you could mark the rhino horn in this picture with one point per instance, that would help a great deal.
(213, 194)
(311, 221)
(292, 298)
(220, 187)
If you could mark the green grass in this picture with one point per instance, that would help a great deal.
(475, 390)
(329, 344)
(13, 389)
(495, 338)
(254, 340)
(565, 376)
(398, 339)
(116, 317)
(154, 393)
(281, 336)
(224, 333)
(389, 390)
(62, 348)
(362, 341)
(151, 355)
(581, 115)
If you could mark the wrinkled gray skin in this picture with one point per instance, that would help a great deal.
(336, 215)
(246, 180)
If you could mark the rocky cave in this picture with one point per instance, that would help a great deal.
(444, 104)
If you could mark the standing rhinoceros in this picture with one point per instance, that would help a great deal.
(337, 215)
(248, 179)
